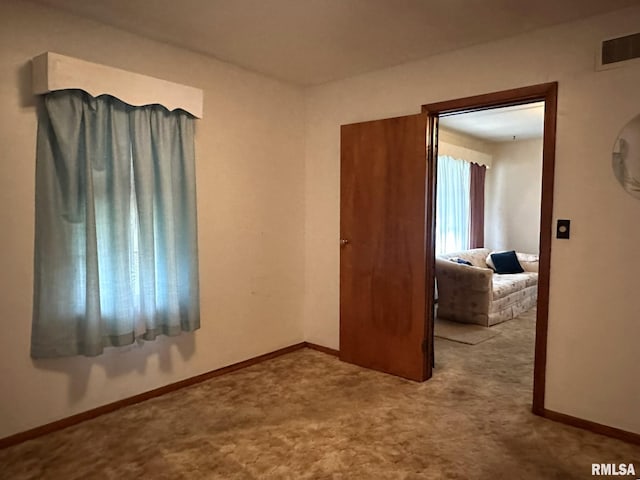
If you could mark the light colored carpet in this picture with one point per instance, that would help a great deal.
(463, 332)
(306, 415)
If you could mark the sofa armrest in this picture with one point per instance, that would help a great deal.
(468, 277)
(464, 292)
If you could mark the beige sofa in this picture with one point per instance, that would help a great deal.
(475, 294)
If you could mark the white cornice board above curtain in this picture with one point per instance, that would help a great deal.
(464, 153)
(52, 71)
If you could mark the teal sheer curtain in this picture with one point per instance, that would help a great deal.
(453, 215)
(116, 256)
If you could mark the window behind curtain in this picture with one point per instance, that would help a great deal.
(116, 241)
(453, 216)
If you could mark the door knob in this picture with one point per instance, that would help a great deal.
(343, 242)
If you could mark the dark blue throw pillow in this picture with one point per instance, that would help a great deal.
(506, 262)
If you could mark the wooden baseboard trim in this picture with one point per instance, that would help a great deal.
(592, 426)
(320, 348)
(125, 402)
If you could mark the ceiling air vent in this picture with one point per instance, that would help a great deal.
(619, 51)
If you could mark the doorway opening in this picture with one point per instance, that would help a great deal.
(387, 235)
(444, 114)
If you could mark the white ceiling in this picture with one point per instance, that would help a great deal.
(524, 122)
(309, 42)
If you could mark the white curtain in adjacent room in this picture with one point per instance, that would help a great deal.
(453, 215)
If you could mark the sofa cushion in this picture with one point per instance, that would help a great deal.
(528, 261)
(506, 262)
(504, 285)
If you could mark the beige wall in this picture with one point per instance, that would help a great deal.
(250, 185)
(594, 321)
(513, 186)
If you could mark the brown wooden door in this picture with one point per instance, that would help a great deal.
(383, 255)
